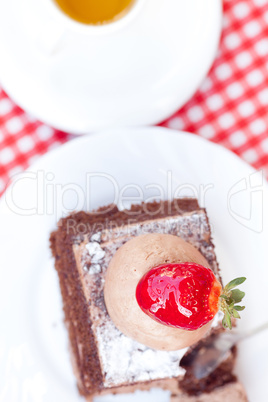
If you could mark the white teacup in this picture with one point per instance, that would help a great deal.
(49, 41)
(67, 23)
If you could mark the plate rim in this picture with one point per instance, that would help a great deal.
(125, 131)
(98, 136)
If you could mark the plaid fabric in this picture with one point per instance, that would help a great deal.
(230, 108)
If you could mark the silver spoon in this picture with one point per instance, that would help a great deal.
(211, 356)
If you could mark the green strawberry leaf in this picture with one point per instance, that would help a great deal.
(239, 308)
(234, 283)
(237, 295)
(228, 299)
(231, 305)
(226, 321)
(235, 314)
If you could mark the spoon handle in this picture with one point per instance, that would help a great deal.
(254, 331)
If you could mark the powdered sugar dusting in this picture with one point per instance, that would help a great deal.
(96, 255)
(138, 363)
(95, 251)
(96, 237)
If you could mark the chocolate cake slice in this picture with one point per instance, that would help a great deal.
(105, 360)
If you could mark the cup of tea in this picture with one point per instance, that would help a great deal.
(94, 16)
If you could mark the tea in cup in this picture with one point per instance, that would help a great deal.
(95, 12)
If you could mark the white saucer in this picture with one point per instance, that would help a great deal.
(33, 340)
(137, 76)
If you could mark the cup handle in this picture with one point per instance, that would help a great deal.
(50, 39)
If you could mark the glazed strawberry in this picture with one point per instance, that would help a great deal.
(187, 296)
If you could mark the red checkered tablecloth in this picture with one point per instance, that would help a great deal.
(230, 108)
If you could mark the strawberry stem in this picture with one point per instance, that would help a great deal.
(228, 300)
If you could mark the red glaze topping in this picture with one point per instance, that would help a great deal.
(182, 295)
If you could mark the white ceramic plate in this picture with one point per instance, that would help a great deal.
(137, 76)
(34, 359)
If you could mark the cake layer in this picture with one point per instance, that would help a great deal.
(103, 358)
(231, 392)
